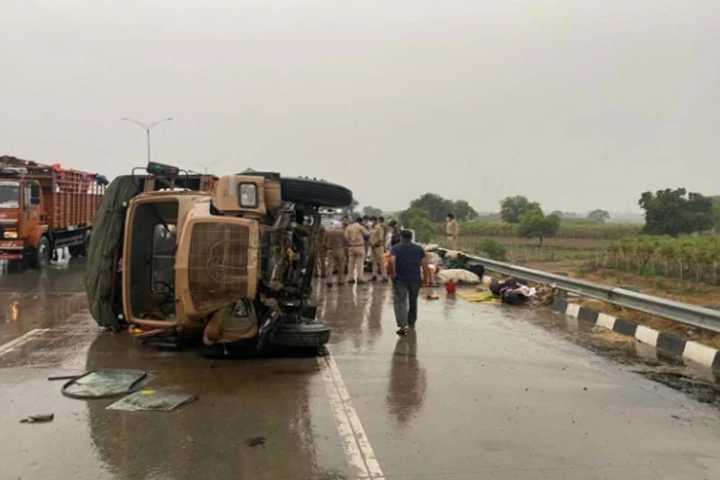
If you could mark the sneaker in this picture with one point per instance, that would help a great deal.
(361, 282)
(373, 279)
(402, 331)
(351, 282)
(329, 284)
(340, 284)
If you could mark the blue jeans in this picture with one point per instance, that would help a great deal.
(405, 299)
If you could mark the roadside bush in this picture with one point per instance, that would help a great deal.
(493, 249)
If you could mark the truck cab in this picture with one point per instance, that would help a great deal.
(21, 216)
(230, 262)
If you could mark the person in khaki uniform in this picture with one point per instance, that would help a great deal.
(335, 246)
(377, 251)
(355, 235)
(452, 231)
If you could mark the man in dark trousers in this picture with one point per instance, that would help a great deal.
(407, 259)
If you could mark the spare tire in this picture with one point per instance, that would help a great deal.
(315, 192)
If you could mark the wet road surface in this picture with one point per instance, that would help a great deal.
(478, 391)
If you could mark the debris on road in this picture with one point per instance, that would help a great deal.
(482, 296)
(104, 383)
(458, 275)
(65, 377)
(152, 400)
(255, 441)
(41, 418)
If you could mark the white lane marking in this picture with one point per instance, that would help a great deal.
(355, 442)
(700, 353)
(647, 335)
(22, 339)
(573, 309)
(605, 320)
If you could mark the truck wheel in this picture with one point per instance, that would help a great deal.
(315, 192)
(306, 334)
(40, 258)
(80, 250)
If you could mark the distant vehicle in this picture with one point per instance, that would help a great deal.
(230, 259)
(44, 207)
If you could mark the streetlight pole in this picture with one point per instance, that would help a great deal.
(147, 127)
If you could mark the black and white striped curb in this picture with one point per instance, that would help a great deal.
(665, 343)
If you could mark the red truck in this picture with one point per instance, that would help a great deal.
(44, 207)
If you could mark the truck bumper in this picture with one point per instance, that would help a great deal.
(11, 250)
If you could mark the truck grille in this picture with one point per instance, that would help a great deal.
(222, 266)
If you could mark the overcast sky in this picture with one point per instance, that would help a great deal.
(576, 104)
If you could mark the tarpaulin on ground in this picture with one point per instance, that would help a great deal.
(152, 400)
(102, 281)
(484, 296)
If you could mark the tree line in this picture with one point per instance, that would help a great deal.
(670, 212)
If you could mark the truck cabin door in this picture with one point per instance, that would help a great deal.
(31, 201)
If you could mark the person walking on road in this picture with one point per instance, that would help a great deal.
(355, 235)
(377, 251)
(407, 259)
(452, 231)
(336, 248)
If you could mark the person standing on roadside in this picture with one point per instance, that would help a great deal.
(386, 228)
(393, 237)
(452, 231)
(336, 248)
(407, 259)
(377, 251)
(355, 235)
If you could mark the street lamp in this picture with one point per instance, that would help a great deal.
(147, 127)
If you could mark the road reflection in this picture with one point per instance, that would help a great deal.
(238, 401)
(408, 383)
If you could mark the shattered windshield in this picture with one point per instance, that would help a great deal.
(9, 195)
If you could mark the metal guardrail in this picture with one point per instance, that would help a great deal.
(696, 316)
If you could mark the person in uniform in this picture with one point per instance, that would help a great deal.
(452, 231)
(377, 251)
(355, 235)
(336, 248)
(386, 228)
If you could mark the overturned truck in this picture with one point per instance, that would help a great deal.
(228, 259)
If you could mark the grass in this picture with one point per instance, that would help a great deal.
(526, 250)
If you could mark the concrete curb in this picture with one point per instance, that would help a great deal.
(665, 343)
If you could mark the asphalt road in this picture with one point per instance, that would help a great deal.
(478, 391)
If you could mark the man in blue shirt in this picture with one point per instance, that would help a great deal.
(407, 259)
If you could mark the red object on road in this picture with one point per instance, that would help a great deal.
(450, 287)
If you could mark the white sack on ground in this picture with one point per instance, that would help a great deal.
(457, 275)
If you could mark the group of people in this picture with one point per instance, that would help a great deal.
(346, 246)
(392, 253)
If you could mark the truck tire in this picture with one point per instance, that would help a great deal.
(80, 250)
(307, 334)
(40, 257)
(315, 192)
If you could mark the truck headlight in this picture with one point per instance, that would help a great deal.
(10, 235)
(248, 195)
